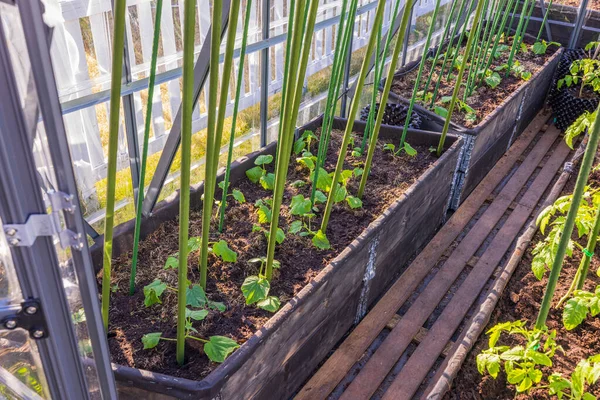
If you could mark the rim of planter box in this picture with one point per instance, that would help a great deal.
(167, 209)
(473, 131)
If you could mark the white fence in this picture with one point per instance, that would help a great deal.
(82, 50)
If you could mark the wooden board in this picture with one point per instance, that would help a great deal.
(424, 357)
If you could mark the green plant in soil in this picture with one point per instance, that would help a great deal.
(578, 193)
(113, 143)
(238, 89)
(298, 55)
(585, 72)
(582, 304)
(522, 364)
(259, 174)
(256, 287)
(585, 374)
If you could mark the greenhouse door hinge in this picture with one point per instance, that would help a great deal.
(19, 235)
(28, 316)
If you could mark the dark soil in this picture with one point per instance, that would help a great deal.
(592, 4)
(521, 300)
(300, 262)
(484, 99)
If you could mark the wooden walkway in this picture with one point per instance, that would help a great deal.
(395, 350)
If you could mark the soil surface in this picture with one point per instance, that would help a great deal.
(300, 262)
(592, 4)
(521, 300)
(484, 99)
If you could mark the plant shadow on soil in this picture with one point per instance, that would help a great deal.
(521, 300)
(300, 261)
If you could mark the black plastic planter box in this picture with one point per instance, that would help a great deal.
(275, 361)
(489, 140)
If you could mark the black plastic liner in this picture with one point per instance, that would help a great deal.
(395, 114)
(566, 104)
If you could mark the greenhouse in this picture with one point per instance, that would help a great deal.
(299, 199)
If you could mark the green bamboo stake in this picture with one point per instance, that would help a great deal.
(447, 55)
(286, 69)
(113, 143)
(341, 54)
(537, 39)
(459, 78)
(473, 55)
(419, 74)
(439, 49)
(384, 96)
(289, 115)
(351, 115)
(526, 24)
(370, 117)
(584, 264)
(490, 56)
(516, 42)
(512, 18)
(582, 177)
(140, 198)
(187, 106)
(487, 39)
(213, 134)
(460, 39)
(238, 90)
(588, 252)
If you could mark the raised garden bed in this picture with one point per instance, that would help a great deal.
(501, 113)
(322, 292)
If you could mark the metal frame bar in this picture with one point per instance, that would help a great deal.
(201, 70)
(578, 23)
(547, 25)
(264, 80)
(36, 266)
(41, 66)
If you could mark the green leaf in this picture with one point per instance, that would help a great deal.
(299, 145)
(195, 296)
(493, 80)
(172, 262)
(538, 358)
(526, 75)
(263, 159)
(255, 288)
(409, 149)
(267, 181)
(320, 197)
(539, 48)
(324, 180)
(574, 314)
(340, 194)
(446, 99)
(222, 250)
(345, 176)
(358, 172)
(153, 291)
(279, 236)
(320, 241)
(270, 304)
(295, 227)
(196, 315)
(441, 111)
(538, 266)
(516, 375)
(219, 347)
(389, 146)
(307, 162)
(216, 305)
(536, 375)
(514, 354)
(354, 202)
(298, 183)
(239, 196)
(254, 174)
(150, 340)
(300, 205)
(264, 214)
(525, 385)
